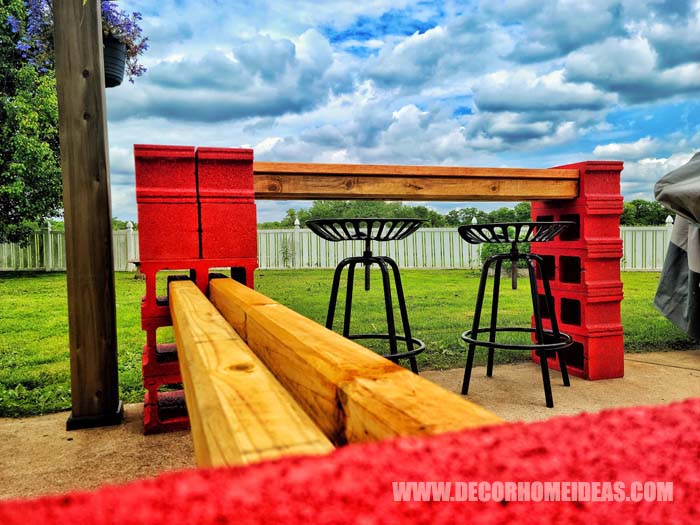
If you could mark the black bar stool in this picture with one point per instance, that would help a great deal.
(547, 342)
(368, 230)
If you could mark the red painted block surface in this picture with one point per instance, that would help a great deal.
(229, 229)
(598, 179)
(225, 172)
(166, 195)
(160, 360)
(227, 202)
(593, 357)
(595, 228)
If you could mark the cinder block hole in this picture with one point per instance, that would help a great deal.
(570, 311)
(542, 304)
(547, 267)
(164, 335)
(171, 402)
(237, 273)
(544, 218)
(573, 232)
(569, 269)
(166, 351)
(574, 356)
(170, 387)
(164, 277)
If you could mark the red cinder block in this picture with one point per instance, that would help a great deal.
(576, 270)
(587, 314)
(227, 202)
(597, 179)
(596, 228)
(160, 360)
(166, 195)
(166, 412)
(593, 357)
(228, 229)
(226, 172)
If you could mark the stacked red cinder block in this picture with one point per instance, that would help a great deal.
(196, 212)
(583, 264)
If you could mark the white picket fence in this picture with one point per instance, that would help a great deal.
(644, 250)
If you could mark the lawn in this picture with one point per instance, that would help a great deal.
(34, 359)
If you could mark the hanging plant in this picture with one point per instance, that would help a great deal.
(119, 30)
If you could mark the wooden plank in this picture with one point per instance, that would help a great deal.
(87, 214)
(350, 392)
(278, 180)
(239, 413)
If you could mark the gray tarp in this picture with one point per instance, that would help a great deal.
(678, 295)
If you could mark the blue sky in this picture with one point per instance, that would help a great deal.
(518, 83)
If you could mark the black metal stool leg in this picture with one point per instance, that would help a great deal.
(404, 313)
(334, 292)
(475, 325)
(555, 324)
(348, 298)
(539, 332)
(494, 314)
(391, 327)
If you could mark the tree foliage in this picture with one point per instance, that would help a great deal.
(30, 179)
(639, 212)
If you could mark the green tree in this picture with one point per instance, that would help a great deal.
(640, 212)
(325, 209)
(30, 176)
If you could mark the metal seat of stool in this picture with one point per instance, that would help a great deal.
(368, 230)
(547, 342)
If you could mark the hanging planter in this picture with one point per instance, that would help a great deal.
(123, 40)
(114, 60)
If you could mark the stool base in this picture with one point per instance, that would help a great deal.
(547, 342)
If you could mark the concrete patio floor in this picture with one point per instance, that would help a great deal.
(515, 392)
(40, 457)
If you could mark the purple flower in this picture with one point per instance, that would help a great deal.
(36, 34)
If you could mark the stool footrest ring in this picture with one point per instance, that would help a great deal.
(393, 357)
(564, 341)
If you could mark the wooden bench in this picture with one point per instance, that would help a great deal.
(239, 413)
(350, 392)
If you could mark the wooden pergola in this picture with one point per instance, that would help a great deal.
(86, 190)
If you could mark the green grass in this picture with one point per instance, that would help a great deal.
(34, 358)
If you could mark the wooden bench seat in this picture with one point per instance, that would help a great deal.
(350, 392)
(239, 412)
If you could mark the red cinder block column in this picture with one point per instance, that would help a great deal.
(227, 208)
(583, 265)
(168, 211)
(196, 213)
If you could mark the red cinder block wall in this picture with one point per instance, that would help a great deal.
(584, 267)
(196, 211)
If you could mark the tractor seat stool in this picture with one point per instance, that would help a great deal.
(368, 230)
(547, 342)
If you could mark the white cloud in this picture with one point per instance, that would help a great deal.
(514, 82)
(628, 150)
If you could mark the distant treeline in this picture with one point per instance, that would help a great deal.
(637, 212)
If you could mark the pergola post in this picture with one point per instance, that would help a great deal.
(87, 212)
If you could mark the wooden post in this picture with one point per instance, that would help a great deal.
(87, 213)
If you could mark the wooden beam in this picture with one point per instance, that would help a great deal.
(279, 180)
(87, 214)
(239, 413)
(350, 392)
